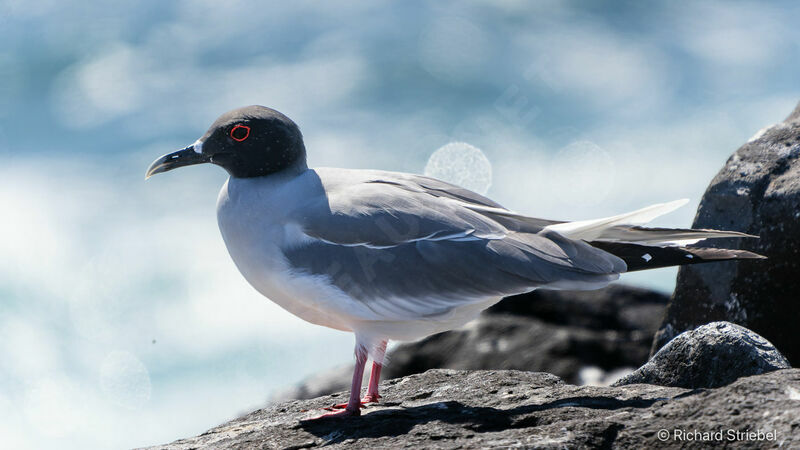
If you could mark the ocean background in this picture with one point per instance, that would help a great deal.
(123, 322)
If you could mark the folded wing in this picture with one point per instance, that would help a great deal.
(409, 250)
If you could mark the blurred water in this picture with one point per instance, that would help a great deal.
(461, 164)
(122, 320)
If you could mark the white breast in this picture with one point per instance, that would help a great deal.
(253, 226)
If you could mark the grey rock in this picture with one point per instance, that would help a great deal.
(709, 356)
(501, 342)
(757, 192)
(580, 336)
(448, 409)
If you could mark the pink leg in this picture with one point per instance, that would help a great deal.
(374, 379)
(353, 407)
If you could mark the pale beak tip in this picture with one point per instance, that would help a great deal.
(185, 157)
(152, 170)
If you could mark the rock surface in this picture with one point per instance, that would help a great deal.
(757, 192)
(581, 336)
(709, 356)
(490, 409)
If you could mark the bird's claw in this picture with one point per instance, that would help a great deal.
(364, 401)
(370, 398)
(338, 414)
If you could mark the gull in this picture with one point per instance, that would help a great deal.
(396, 256)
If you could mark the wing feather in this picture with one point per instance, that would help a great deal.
(406, 252)
(592, 229)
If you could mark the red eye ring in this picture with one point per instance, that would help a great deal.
(237, 128)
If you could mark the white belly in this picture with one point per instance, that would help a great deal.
(299, 294)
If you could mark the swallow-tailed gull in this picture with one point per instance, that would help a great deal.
(396, 256)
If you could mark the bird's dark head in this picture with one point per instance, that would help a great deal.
(247, 142)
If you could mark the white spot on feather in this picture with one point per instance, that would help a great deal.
(647, 257)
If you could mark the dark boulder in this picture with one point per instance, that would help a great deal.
(448, 409)
(756, 192)
(580, 336)
(617, 307)
(709, 356)
(523, 343)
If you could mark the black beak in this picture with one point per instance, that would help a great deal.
(186, 157)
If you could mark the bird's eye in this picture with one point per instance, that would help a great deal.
(240, 132)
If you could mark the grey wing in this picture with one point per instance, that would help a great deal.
(410, 254)
(468, 199)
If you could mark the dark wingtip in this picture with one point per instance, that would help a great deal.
(643, 257)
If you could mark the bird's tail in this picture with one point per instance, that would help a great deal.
(643, 257)
(648, 248)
